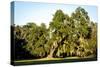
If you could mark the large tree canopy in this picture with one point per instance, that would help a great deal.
(67, 36)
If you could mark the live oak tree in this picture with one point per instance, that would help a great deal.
(66, 36)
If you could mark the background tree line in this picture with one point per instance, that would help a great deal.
(67, 36)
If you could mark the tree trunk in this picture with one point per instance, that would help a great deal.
(53, 48)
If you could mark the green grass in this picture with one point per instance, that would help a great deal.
(47, 59)
(53, 60)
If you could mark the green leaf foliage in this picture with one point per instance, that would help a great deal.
(67, 36)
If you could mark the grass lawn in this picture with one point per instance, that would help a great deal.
(53, 60)
(47, 59)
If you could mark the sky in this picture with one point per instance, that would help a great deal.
(38, 13)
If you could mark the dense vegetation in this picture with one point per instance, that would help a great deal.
(66, 36)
